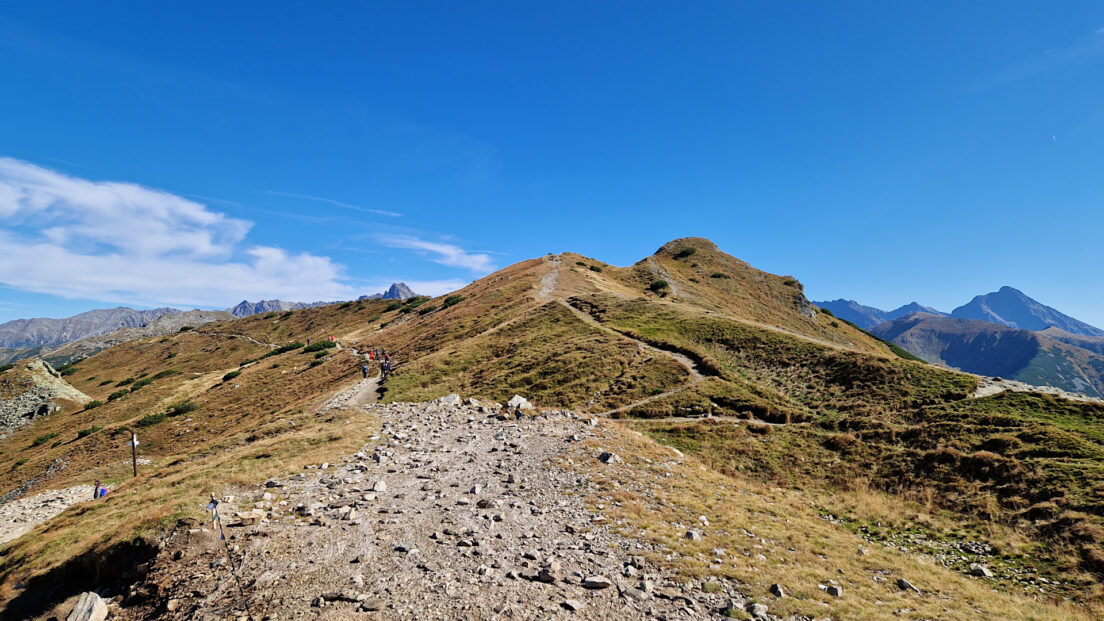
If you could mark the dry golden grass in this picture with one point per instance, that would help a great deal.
(654, 491)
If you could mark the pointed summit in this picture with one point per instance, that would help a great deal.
(1012, 308)
(397, 291)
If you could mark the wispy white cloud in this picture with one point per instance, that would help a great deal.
(123, 242)
(330, 201)
(442, 253)
(1084, 50)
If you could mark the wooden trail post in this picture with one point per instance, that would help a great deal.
(134, 452)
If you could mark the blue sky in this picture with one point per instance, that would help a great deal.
(203, 153)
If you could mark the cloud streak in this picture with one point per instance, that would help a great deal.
(122, 242)
(444, 254)
(330, 201)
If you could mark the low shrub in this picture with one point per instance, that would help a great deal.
(427, 310)
(118, 394)
(105, 382)
(583, 263)
(287, 314)
(7, 367)
(231, 375)
(140, 383)
(595, 268)
(315, 363)
(84, 433)
(126, 382)
(827, 312)
(841, 441)
(321, 354)
(790, 282)
(394, 306)
(44, 438)
(319, 346)
(270, 315)
(187, 328)
(685, 252)
(452, 300)
(183, 407)
(150, 420)
(166, 373)
(658, 285)
(719, 275)
(93, 404)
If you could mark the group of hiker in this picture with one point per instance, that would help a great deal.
(99, 492)
(384, 359)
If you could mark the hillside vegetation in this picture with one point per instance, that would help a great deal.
(802, 401)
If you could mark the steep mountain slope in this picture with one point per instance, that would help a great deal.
(996, 350)
(43, 332)
(1010, 307)
(811, 416)
(31, 389)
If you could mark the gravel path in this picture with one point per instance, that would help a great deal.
(451, 512)
(20, 516)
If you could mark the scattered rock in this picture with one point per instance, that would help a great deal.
(572, 604)
(777, 590)
(519, 402)
(610, 458)
(597, 582)
(693, 535)
(979, 570)
(834, 590)
(90, 607)
(905, 585)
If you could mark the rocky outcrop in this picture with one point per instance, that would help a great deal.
(32, 389)
(397, 291)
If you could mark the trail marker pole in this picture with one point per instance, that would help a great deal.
(134, 452)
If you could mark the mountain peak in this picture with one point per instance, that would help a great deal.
(1011, 307)
(678, 245)
(397, 291)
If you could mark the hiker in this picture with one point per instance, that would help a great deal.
(371, 355)
(103, 492)
(96, 492)
(365, 369)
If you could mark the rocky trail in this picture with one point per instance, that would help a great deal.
(452, 511)
(20, 516)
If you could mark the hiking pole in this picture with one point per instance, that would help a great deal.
(213, 507)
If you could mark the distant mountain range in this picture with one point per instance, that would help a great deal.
(1048, 358)
(397, 291)
(1004, 333)
(1007, 307)
(43, 332)
(868, 316)
(62, 340)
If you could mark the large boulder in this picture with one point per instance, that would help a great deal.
(90, 607)
(519, 402)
